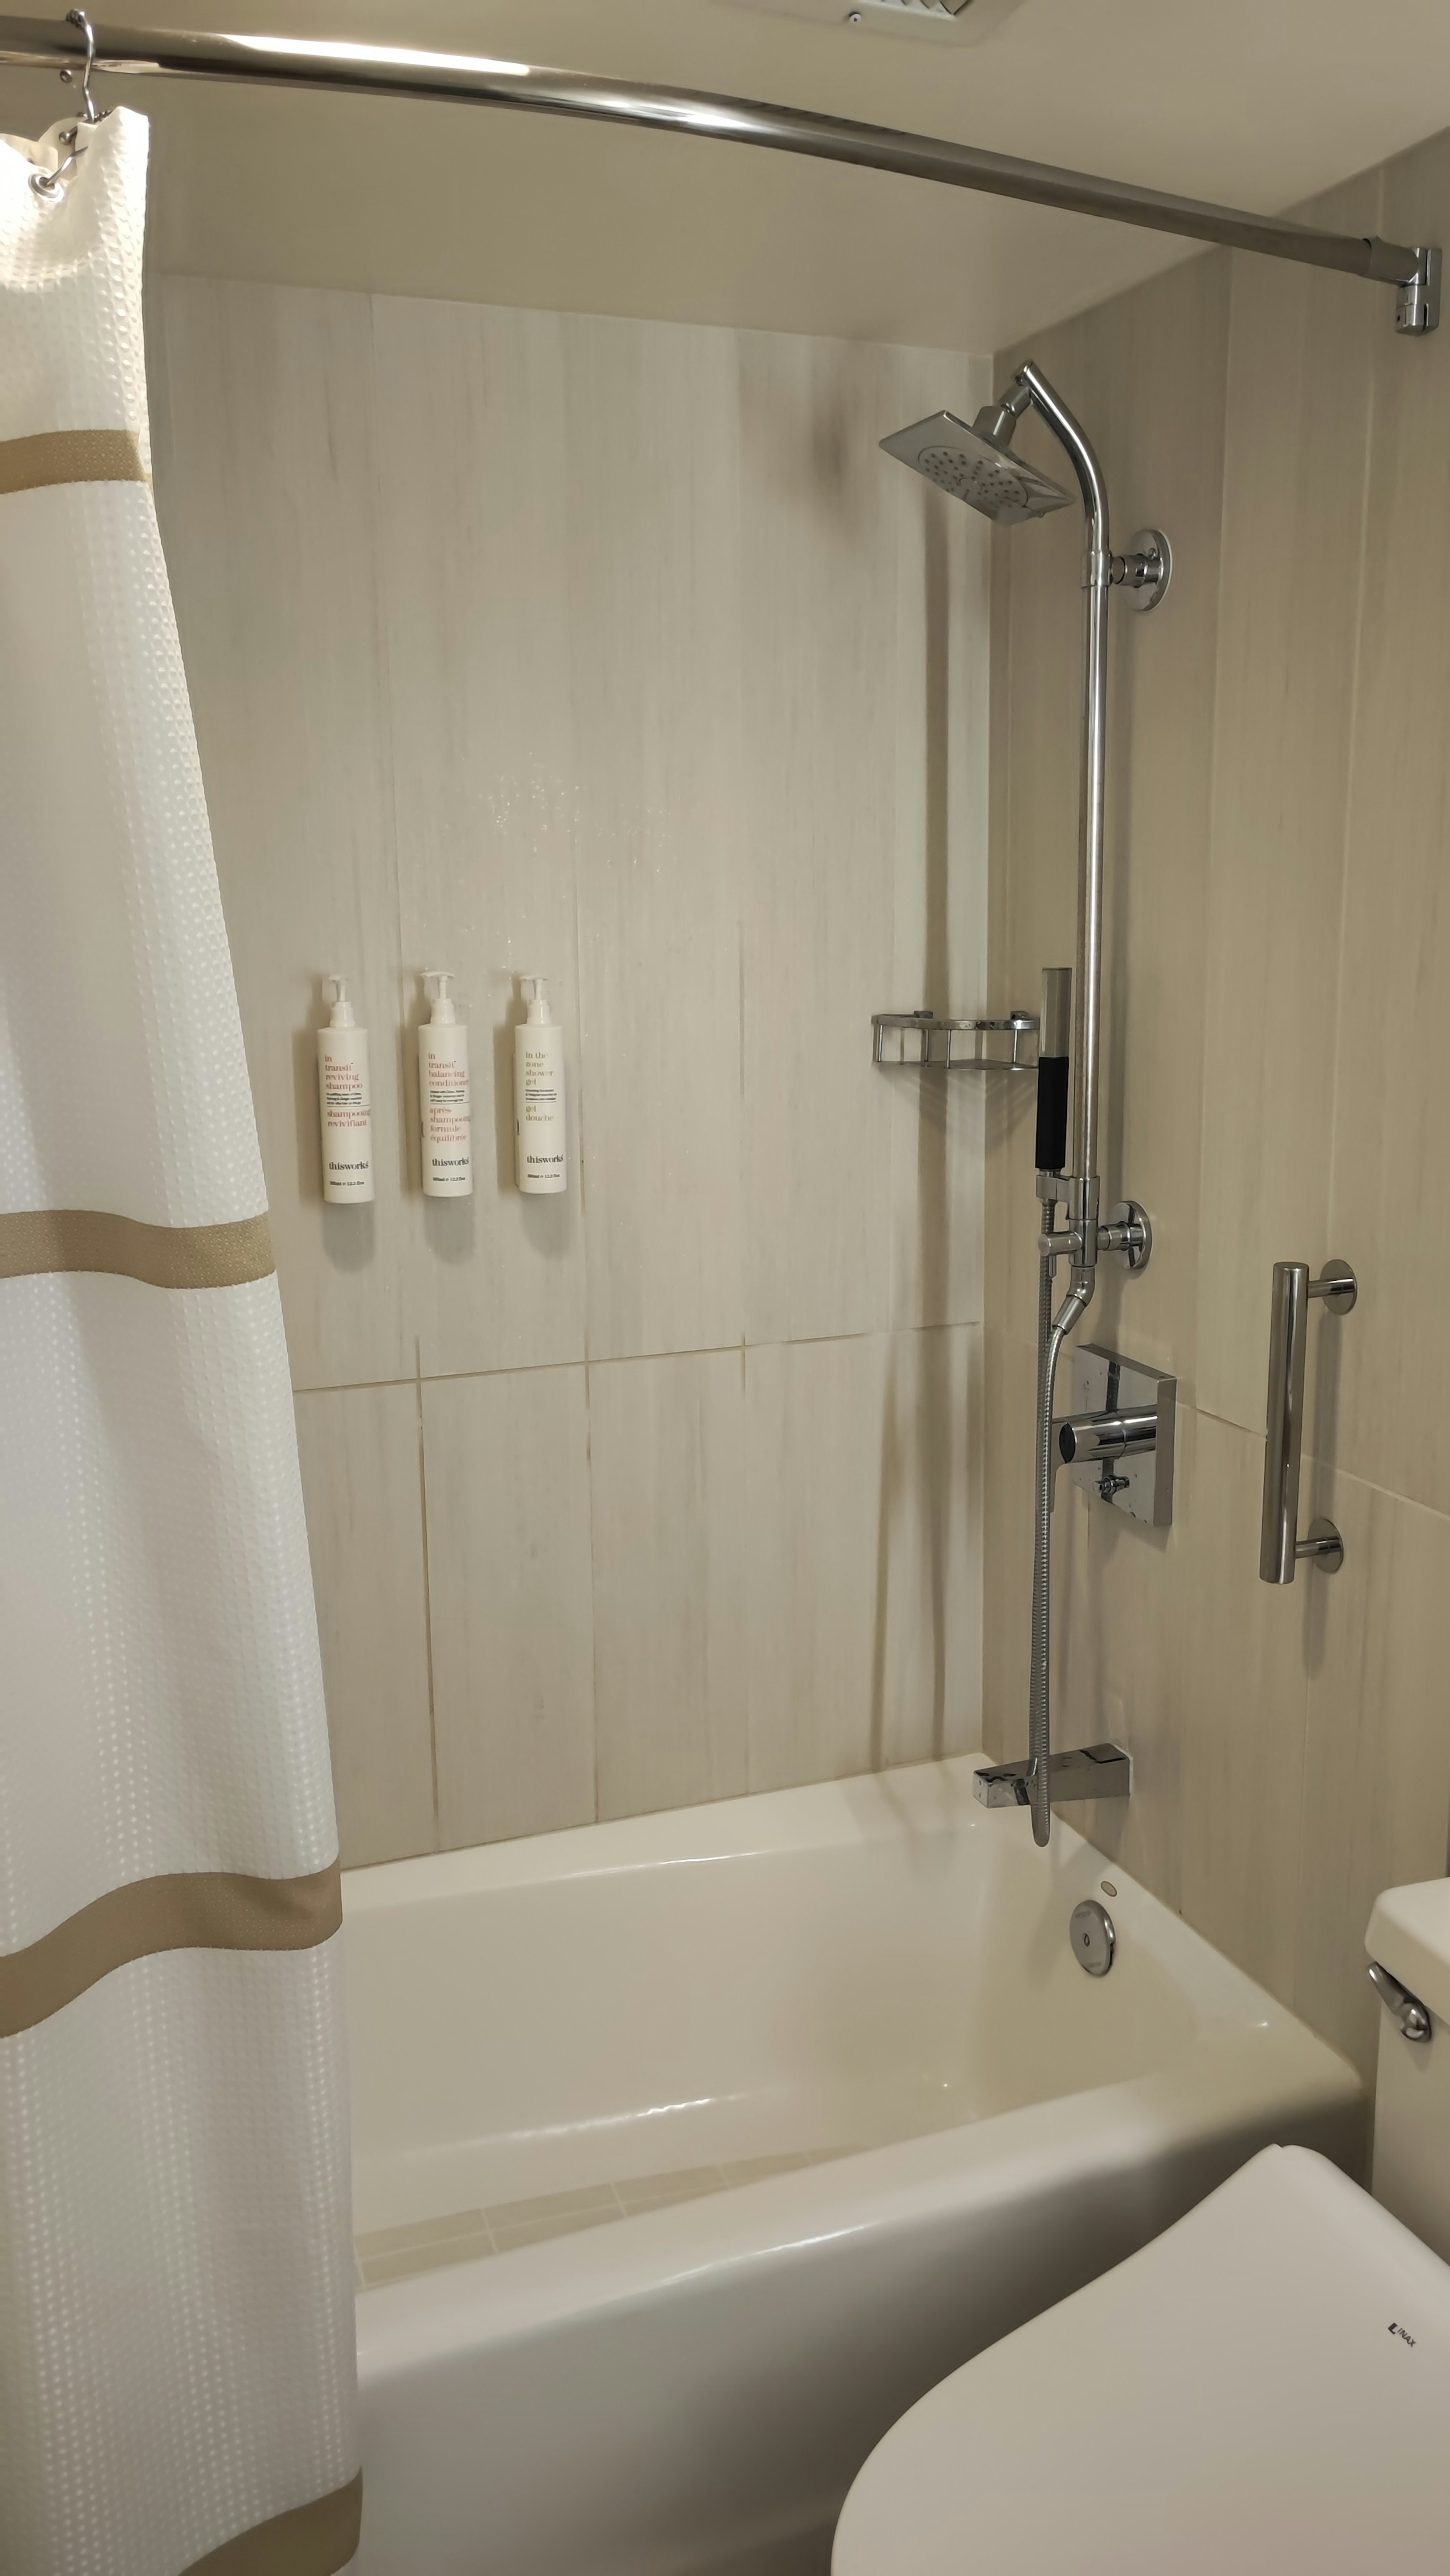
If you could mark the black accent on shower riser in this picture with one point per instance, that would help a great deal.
(1052, 1089)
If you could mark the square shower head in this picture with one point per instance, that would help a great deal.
(975, 469)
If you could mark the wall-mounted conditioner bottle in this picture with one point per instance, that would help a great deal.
(346, 1102)
(443, 1101)
(540, 1153)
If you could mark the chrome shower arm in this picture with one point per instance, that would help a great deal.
(1069, 431)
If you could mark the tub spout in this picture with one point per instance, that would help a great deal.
(1091, 1771)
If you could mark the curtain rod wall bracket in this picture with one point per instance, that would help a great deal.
(396, 71)
(1417, 302)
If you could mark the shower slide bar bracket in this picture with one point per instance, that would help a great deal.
(1145, 571)
(403, 71)
(1280, 1546)
(920, 1040)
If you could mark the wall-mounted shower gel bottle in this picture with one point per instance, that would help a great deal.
(346, 1102)
(540, 1152)
(444, 1112)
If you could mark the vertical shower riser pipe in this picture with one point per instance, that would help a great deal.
(1083, 1191)
(1041, 1637)
(1097, 580)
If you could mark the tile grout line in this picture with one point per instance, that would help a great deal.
(593, 1590)
(1345, 841)
(1253, 1431)
(641, 1359)
(1207, 1103)
(427, 1600)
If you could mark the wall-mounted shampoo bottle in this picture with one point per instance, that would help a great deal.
(443, 1100)
(540, 1153)
(346, 1102)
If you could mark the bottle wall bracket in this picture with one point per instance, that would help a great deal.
(922, 1040)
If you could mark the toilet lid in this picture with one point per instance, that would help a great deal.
(1265, 2387)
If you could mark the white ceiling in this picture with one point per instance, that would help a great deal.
(1260, 103)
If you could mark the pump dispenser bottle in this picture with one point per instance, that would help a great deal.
(346, 1102)
(540, 1153)
(443, 1098)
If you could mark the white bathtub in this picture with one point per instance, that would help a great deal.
(871, 1983)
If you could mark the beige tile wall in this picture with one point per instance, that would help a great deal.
(614, 651)
(1279, 946)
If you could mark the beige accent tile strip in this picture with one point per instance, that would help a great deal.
(650, 2191)
(35, 1240)
(419, 2233)
(409, 2261)
(553, 2204)
(70, 456)
(312, 2540)
(195, 1910)
(465, 2235)
(542, 2231)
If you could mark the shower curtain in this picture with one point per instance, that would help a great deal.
(177, 2372)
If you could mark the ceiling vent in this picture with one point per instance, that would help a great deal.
(959, 20)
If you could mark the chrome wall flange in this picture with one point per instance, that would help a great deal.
(1145, 571)
(1323, 1547)
(1337, 1287)
(1127, 1235)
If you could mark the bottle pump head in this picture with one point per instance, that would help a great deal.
(534, 993)
(334, 991)
(435, 989)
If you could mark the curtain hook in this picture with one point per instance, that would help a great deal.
(90, 113)
(51, 183)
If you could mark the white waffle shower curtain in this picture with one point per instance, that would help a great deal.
(177, 2372)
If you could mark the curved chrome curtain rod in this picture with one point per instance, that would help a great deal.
(403, 72)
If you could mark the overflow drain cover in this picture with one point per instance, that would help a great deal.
(1093, 1937)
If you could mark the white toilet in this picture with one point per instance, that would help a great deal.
(1264, 2387)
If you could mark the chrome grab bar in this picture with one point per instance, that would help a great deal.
(1280, 1545)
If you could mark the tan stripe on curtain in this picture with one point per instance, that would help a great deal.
(164, 1256)
(70, 456)
(312, 2540)
(193, 1910)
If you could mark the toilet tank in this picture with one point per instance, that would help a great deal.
(1409, 1934)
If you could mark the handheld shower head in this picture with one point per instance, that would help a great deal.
(978, 467)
